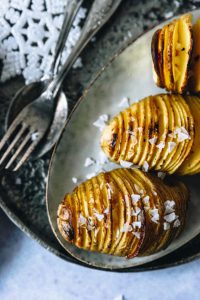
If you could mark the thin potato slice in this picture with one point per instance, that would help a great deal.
(185, 40)
(189, 165)
(162, 129)
(145, 143)
(157, 47)
(133, 133)
(169, 144)
(189, 127)
(194, 81)
(167, 56)
(127, 213)
(98, 209)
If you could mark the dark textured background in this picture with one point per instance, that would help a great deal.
(22, 194)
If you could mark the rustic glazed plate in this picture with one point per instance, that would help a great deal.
(128, 74)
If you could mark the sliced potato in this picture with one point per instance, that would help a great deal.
(160, 133)
(171, 53)
(136, 213)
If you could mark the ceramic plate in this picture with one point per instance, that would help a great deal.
(128, 74)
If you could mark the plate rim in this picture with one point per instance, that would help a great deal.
(84, 94)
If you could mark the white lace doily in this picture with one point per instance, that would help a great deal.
(28, 35)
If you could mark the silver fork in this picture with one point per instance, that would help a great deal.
(28, 134)
(30, 126)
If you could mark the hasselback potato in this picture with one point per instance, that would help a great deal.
(176, 55)
(125, 212)
(156, 133)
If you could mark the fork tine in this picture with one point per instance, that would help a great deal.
(12, 145)
(18, 151)
(9, 132)
(25, 156)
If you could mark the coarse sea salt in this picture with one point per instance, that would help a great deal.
(125, 227)
(34, 136)
(153, 140)
(170, 218)
(135, 198)
(171, 146)
(161, 145)
(89, 162)
(137, 235)
(125, 102)
(145, 166)
(82, 220)
(106, 211)
(177, 223)
(182, 134)
(166, 226)
(136, 224)
(155, 215)
(99, 216)
(125, 164)
(101, 122)
(74, 180)
(169, 206)
(146, 200)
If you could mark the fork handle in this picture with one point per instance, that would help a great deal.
(99, 14)
(71, 11)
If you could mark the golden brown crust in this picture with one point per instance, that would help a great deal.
(123, 213)
(157, 131)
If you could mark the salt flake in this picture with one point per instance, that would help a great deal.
(153, 140)
(135, 198)
(136, 225)
(177, 223)
(171, 146)
(145, 166)
(182, 134)
(155, 215)
(82, 220)
(137, 235)
(101, 122)
(125, 102)
(125, 164)
(161, 145)
(170, 218)
(99, 216)
(166, 226)
(89, 162)
(74, 180)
